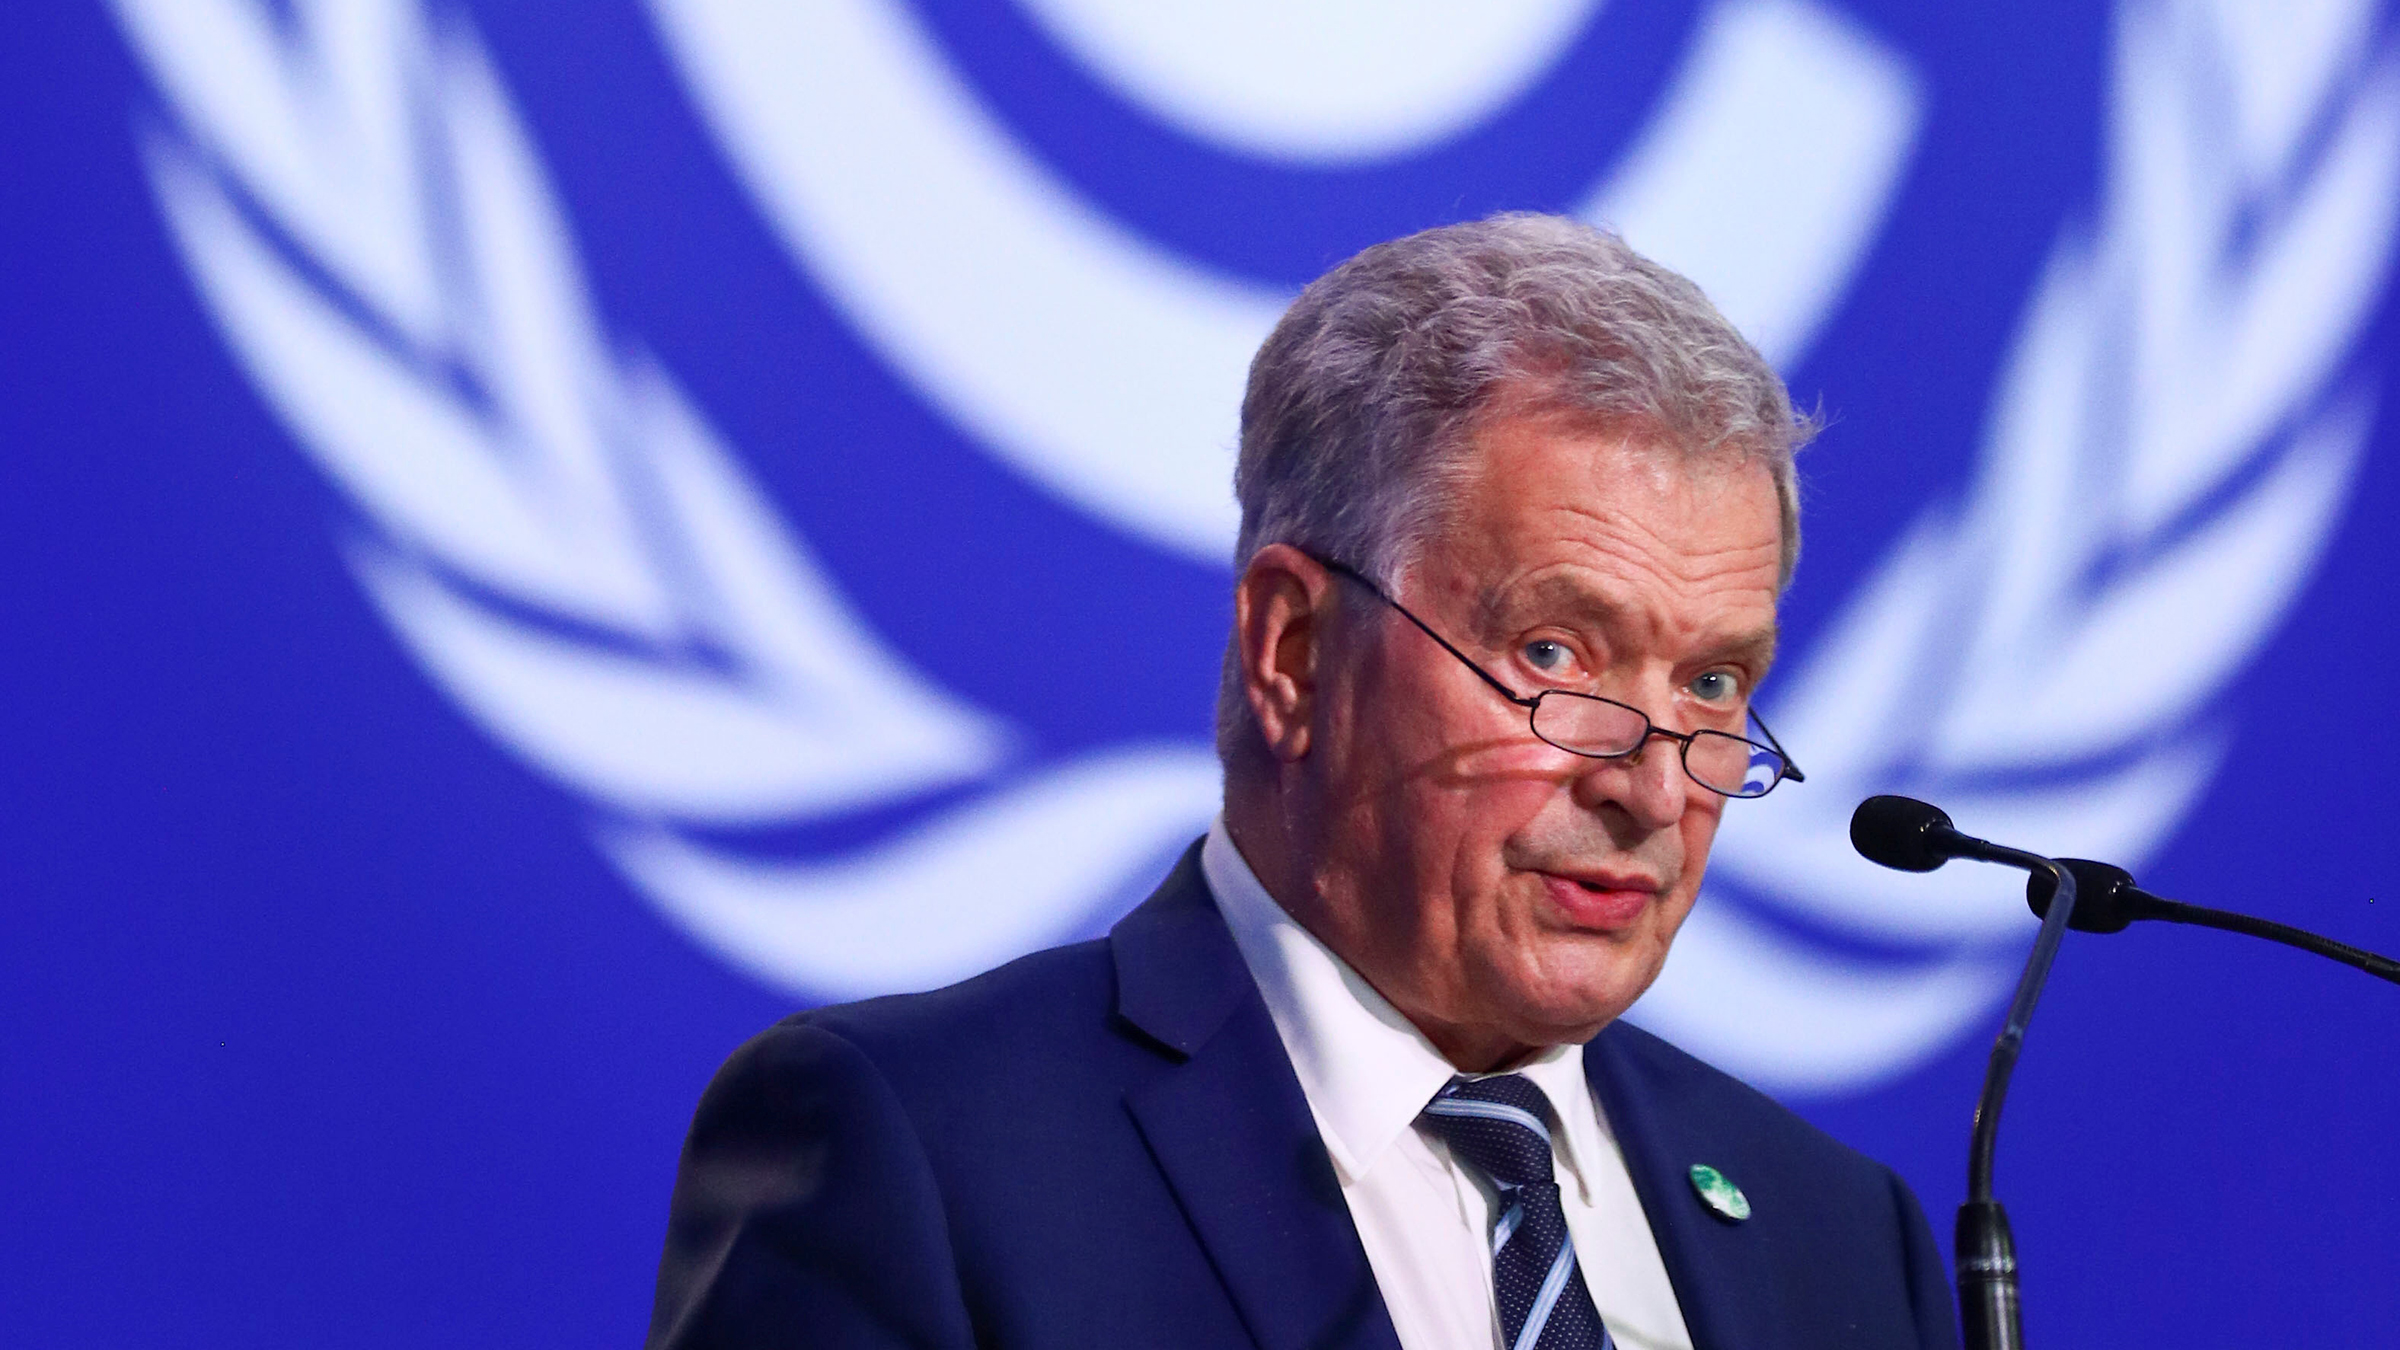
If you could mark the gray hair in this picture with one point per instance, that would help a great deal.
(1364, 402)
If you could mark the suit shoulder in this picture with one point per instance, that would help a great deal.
(1072, 982)
(1048, 1007)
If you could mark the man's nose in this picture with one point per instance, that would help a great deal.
(1647, 785)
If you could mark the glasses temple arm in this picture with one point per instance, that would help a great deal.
(1344, 569)
(1791, 770)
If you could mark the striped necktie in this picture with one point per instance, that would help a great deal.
(1500, 1127)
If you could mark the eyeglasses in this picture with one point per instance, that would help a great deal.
(1602, 728)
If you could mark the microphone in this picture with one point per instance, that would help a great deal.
(1904, 834)
(1915, 836)
(1908, 835)
(2107, 901)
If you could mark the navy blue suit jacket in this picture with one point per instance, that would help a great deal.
(1105, 1145)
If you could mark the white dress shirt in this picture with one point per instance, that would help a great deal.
(1426, 1221)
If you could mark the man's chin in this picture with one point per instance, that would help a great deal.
(1547, 1022)
(1571, 1011)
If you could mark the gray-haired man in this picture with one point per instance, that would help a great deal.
(1517, 506)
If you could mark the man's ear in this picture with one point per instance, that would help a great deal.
(1279, 610)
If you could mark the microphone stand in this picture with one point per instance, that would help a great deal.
(1986, 1251)
(1916, 837)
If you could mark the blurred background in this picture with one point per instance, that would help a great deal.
(539, 539)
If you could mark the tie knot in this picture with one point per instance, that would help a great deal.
(1499, 1125)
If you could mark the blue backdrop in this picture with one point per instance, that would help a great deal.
(538, 539)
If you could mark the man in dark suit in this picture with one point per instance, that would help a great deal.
(1517, 507)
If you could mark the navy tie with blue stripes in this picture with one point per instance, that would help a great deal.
(1500, 1126)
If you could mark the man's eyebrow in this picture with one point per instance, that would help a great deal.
(1497, 615)
(1755, 649)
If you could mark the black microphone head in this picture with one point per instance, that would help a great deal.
(2106, 900)
(1901, 833)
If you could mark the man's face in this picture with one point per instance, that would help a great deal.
(1503, 893)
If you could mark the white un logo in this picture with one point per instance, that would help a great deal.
(580, 559)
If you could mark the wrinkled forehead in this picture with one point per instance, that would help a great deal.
(1630, 446)
(1511, 471)
(1607, 523)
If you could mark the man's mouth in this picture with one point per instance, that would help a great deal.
(1601, 900)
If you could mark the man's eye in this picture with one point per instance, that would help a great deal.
(1546, 655)
(1717, 686)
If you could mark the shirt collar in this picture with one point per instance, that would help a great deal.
(1365, 1068)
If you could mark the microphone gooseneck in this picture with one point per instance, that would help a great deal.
(2107, 901)
(1915, 836)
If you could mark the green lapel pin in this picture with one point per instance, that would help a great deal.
(1718, 1192)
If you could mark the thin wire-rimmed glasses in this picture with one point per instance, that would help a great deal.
(1602, 728)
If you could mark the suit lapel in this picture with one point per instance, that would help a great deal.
(1715, 1266)
(1231, 1130)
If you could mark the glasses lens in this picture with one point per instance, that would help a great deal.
(1731, 765)
(1588, 725)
